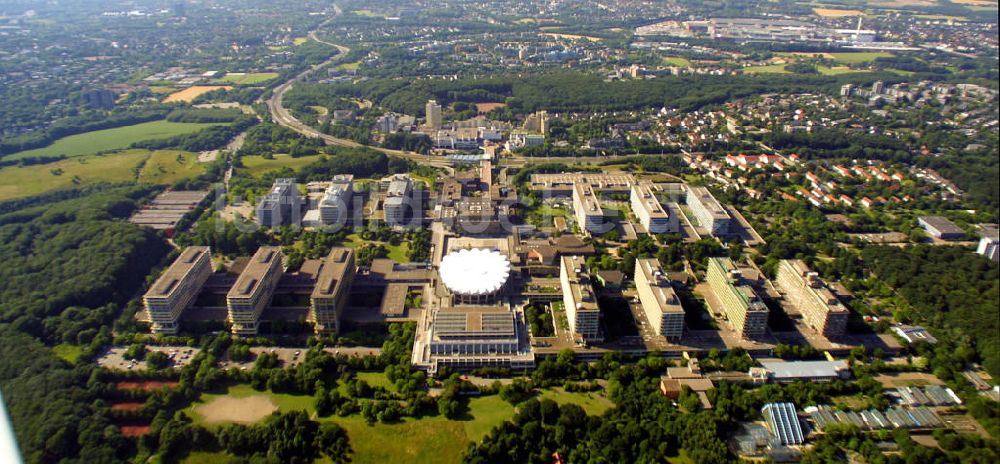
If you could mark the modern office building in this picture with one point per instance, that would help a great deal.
(334, 206)
(582, 310)
(708, 211)
(989, 243)
(740, 303)
(433, 110)
(280, 206)
(398, 200)
(253, 290)
(652, 215)
(940, 227)
(659, 301)
(783, 421)
(587, 209)
(173, 292)
(791, 371)
(333, 286)
(820, 308)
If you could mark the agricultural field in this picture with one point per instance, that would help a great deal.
(768, 69)
(570, 36)
(836, 13)
(676, 61)
(256, 165)
(247, 78)
(111, 139)
(859, 57)
(190, 93)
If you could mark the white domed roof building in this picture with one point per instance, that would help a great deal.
(474, 276)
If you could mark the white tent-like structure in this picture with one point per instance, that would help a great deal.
(474, 276)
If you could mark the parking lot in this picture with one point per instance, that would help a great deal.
(114, 358)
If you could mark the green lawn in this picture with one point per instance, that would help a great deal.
(859, 57)
(246, 78)
(202, 457)
(23, 181)
(169, 166)
(398, 253)
(591, 402)
(828, 71)
(769, 69)
(111, 139)
(68, 352)
(487, 412)
(283, 401)
(257, 165)
(376, 379)
(676, 61)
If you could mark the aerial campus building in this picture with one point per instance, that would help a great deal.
(253, 290)
(398, 193)
(708, 211)
(474, 276)
(650, 212)
(820, 309)
(587, 209)
(280, 206)
(744, 310)
(582, 310)
(433, 110)
(659, 301)
(333, 285)
(940, 227)
(336, 200)
(176, 288)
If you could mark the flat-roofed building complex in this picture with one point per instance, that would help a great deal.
(562, 184)
(336, 200)
(333, 286)
(708, 211)
(652, 215)
(820, 308)
(587, 209)
(582, 310)
(659, 301)
(940, 227)
(783, 421)
(470, 337)
(398, 201)
(745, 311)
(253, 290)
(280, 206)
(171, 294)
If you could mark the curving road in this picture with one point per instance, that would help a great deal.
(282, 116)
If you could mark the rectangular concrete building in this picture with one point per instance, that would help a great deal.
(582, 310)
(940, 227)
(398, 199)
(280, 206)
(333, 286)
(740, 303)
(179, 285)
(587, 209)
(253, 290)
(708, 211)
(820, 308)
(659, 301)
(336, 200)
(652, 215)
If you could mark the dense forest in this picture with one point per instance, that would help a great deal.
(951, 289)
(570, 92)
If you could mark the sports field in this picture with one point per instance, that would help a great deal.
(111, 139)
(193, 92)
(247, 78)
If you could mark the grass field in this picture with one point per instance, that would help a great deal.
(571, 36)
(859, 57)
(68, 352)
(256, 165)
(350, 66)
(111, 139)
(17, 181)
(376, 379)
(769, 69)
(169, 166)
(676, 61)
(284, 402)
(487, 412)
(592, 402)
(398, 253)
(300, 40)
(247, 78)
(836, 13)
